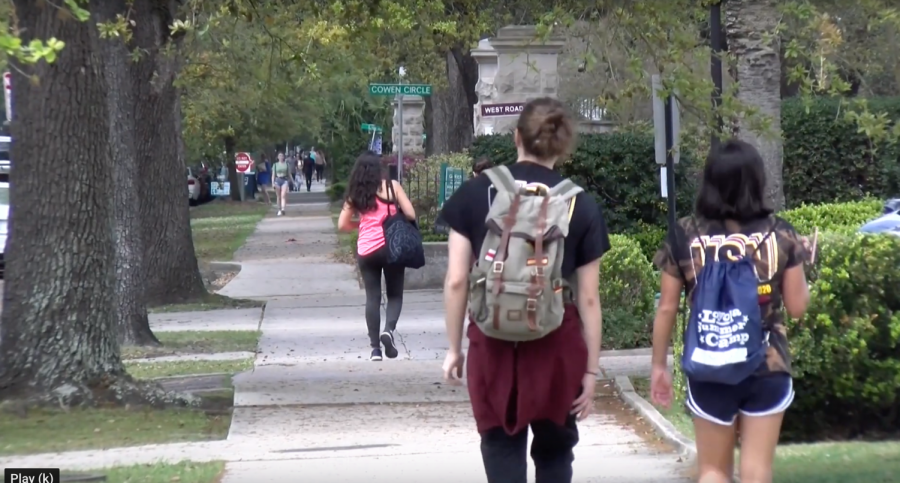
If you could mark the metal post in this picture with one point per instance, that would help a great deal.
(400, 139)
(715, 64)
(670, 162)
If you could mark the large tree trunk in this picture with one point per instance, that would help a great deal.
(233, 177)
(449, 112)
(750, 26)
(171, 272)
(58, 323)
(130, 309)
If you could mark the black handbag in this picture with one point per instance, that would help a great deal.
(402, 236)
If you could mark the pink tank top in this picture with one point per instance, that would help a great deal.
(371, 233)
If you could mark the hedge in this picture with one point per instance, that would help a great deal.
(827, 159)
(618, 169)
(628, 285)
(844, 218)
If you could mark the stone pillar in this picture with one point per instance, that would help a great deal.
(486, 57)
(526, 69)
(413, 126)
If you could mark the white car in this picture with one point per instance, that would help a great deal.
(4, 222)
(193, 185)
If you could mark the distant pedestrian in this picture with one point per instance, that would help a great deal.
(533, 295)
(373, 198)
(744, 378)
(264, 178)
(319, 159)
(282, 182)
(309, 164)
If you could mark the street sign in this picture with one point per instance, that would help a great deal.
(242, 162)
(397, 89)
(496, 110)
(370, 127)
(451, 179)
(220, 188)
(7, 92)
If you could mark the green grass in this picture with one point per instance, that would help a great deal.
(43, 430)
(210, 301)
(186, 368)
(844, 462)
(184, 472)
(676, 414)
(220, 227)
(196, 342)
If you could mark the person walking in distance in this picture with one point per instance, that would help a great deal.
(319, 158)
(264, 178)
(371, 196)
(309, 164)
(732, 244)
(282, 182)
(534, 322)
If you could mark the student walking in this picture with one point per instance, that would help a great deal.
(534, 336)
(308, 166)
(374, 198)
(319, 159)
(264, 178)
(739, 266)
(282, 182)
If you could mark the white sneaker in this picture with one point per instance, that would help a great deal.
(280, 212)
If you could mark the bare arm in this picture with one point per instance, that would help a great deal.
(456, 287)
(345, 220)
(795, 291)
(670, 296)
(405, 205)
(588, 301)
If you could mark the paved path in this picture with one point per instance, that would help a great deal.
(315, 407)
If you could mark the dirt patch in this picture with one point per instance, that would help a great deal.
(608, 402)
(215, 280)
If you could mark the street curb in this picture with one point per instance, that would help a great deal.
(685, 446)
(225, 266)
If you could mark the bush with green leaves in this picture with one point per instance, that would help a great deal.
(844, 218)
(628, 286)
(336, 190)
(828, 159)
(846, 349)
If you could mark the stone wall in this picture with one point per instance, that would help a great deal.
(431, 276)
(413, 125)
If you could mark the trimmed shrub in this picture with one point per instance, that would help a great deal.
(846, 349)
(844, 218)
(827, 159)
(336, 190)
(627, 289)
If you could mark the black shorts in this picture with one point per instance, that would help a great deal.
(756, 396)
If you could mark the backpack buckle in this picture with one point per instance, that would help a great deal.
(537, 271)
(497, 267)
(531, 305)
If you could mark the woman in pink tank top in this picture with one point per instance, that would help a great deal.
(369, 197)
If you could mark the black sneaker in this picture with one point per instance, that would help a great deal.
(376, 355)
(387, 340)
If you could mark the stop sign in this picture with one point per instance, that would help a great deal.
(242, 162)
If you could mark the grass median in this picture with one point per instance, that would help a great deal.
(196, 342)
(184, 472)
(153, 370)
(826, 462)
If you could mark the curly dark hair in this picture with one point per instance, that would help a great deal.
(365, 180)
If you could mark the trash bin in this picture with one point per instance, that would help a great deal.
(249, 186)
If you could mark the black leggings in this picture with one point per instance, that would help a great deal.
(307, 173)
(371, 266)
(505, 457)
(319, 169)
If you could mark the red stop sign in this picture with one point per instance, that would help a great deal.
(242, 162)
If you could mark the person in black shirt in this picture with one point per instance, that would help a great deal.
(546, 383)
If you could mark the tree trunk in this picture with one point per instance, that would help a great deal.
(58, 323)
(233, 177)
(450, 109)
(130, 309)
(750, 27)
(171, 272)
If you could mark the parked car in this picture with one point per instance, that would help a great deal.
(888, 221)
(5, 143)
(198, 182)
(4, 223)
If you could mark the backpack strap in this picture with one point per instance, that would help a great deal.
(502, 179)
(509, 221)
(565, 189)
(762, 242)
(537, 273)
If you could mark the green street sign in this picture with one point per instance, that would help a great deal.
(395, 89)
(370, 127)
(451, 179)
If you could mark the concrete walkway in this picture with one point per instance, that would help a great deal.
(315, 407)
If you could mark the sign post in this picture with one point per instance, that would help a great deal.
(400, 90)
(242, 163)
(7, 92)
(666, 131)
(451, 179)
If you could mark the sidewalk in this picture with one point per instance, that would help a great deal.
(316, 408)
